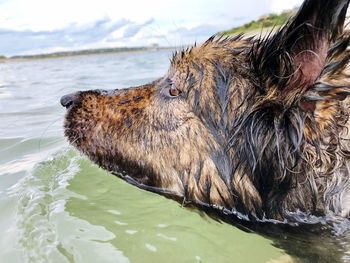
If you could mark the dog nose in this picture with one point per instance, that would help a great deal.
(69, 99)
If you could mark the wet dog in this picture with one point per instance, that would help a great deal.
(255, 127)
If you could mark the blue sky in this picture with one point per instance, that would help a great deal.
(41, 26)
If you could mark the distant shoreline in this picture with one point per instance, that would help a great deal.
(270, 21)
(85, 52)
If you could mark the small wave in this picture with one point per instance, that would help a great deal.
(48, 233)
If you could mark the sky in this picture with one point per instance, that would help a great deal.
(44, 26)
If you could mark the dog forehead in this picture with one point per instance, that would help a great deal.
(191, 60)
(217, 50)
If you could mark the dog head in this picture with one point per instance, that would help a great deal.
(228, 124)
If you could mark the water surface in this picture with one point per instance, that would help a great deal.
(56, 206)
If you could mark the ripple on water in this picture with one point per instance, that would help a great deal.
(48, 233)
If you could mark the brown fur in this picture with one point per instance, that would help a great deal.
(256, 126)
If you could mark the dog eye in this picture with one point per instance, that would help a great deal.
(171, 90)
(174, 92)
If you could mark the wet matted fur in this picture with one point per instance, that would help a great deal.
(254, 127)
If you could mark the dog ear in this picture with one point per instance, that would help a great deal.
(291, 61)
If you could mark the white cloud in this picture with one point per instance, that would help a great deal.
(280, 5)
(53, 14)
(166, 22)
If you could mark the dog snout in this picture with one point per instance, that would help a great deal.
(69, 99)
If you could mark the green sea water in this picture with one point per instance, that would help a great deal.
(56, 206)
